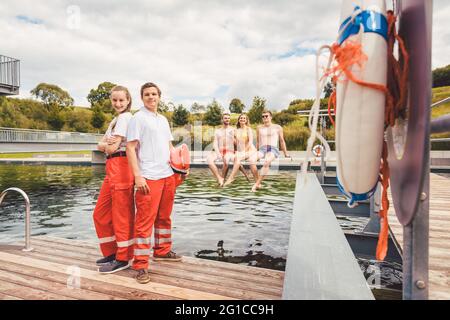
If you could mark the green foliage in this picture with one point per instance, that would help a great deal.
(197, 108)
(79, 120)
(98, 117)
(163, 107)
(52, 96)
(236, 106)
(180, 116)
(100, 97)
(55, 118)
(440, 94)
(213, 115)
(299, 105)
(283, 118)
(328, 90)
(296, 137)
(255, 112)
(441, 77)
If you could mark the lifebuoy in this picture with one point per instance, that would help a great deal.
(360, 109)
(317, 150)
(180, 159)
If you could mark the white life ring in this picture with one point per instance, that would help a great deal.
(317, 150)
(360, 110)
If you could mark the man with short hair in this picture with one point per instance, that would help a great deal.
(268, 137)
(223, 149)
(148, 149)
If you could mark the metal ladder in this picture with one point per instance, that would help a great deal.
(28, 247)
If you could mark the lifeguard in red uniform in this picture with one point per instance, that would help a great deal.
(114, 211)
(148, 149)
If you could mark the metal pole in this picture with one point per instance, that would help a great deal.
(441, 124)
(416, 251)
(416, 26)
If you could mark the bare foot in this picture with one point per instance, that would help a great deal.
(228, 182)
(256, 187)
(221, 181)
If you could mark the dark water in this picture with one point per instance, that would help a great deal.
(230, 224)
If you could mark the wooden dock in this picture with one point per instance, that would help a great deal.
(439, 243)
(51, 271)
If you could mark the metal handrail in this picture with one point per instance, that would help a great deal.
(32, 135)
(27, 215)
(437, 104)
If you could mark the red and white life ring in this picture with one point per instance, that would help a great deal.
(317, 150)
(360, 110)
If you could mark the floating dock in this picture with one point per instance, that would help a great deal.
(65, 269)
(439, 243)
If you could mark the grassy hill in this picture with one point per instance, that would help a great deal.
(438, 95)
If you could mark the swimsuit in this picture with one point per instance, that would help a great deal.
(266, 149)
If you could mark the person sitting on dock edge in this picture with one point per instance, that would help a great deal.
(223, 149)
(268, 136)
(245, 149)
(149, 145)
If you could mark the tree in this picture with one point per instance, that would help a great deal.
(163, 107)
(213, 115)
(236, 106)
(441, 77)
(283, 118)
(180, 116)
(328, 89)
(197, 108)
(98, 117)
(300, 105)
(55, 100)
(52, 95)
(100, 97)
(55, 118)
(255, 112)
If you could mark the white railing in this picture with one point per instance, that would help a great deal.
(45, 136)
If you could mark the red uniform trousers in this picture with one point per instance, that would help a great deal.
(114, 211)
(153, 210)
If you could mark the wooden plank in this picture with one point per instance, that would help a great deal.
(91, 285)
(255, 281)
(162, 277)
(115, 279)
(255, 271)
(174, 270)
(54, 287)
(213, 271)
(27, 293)
(8, 297)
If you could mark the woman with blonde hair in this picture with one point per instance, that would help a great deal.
(245, 149)
(114, 211)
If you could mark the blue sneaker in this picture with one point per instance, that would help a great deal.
(114, 266)
(105, 260)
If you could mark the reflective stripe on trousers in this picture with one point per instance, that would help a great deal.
(153, 210)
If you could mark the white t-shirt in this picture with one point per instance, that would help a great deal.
(120, 129)
(152, 131)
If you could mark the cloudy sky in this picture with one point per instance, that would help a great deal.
(195, 50)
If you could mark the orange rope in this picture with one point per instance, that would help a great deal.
(350, 54)
(332, 107)
(382, 246)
